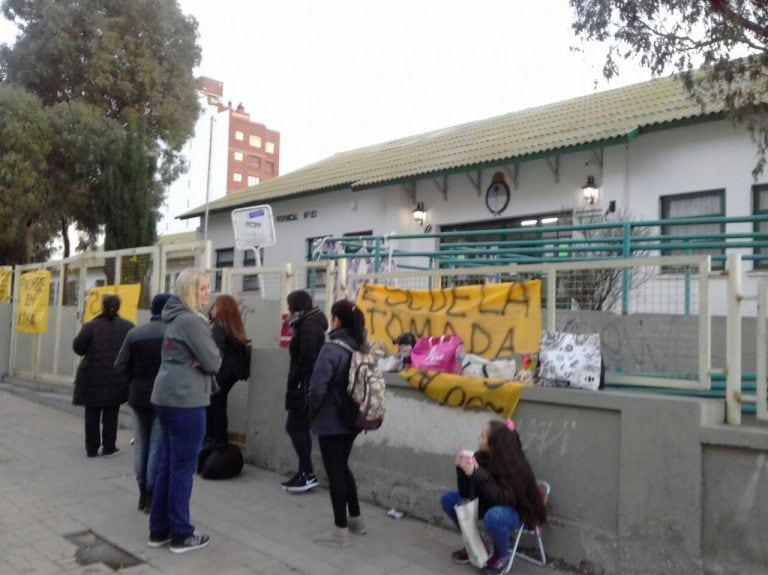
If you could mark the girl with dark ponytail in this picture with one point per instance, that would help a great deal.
(328, 381)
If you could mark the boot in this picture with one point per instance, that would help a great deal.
(336, 537)
(142, 500)
(357, 525)
(148, 504)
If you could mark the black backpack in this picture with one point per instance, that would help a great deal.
(220, 461)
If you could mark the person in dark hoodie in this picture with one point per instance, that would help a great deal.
(139, 361)
(308, 325)
(328, 381)
(98, 385)
(182, 391)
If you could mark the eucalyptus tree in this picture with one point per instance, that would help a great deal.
(719, 48)
(24, 146)
(121, 59)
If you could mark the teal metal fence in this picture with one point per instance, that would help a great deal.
(547, 244)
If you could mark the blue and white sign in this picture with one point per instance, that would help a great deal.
(254, 227)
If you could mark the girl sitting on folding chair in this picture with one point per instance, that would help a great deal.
(499, 475)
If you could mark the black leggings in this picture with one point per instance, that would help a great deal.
(335, 450)
(106, 418)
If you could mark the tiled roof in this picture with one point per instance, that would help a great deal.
(612, 116)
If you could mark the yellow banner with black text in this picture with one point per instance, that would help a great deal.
(493, 321)
(34, 293)
(495, 395)
(129, 301)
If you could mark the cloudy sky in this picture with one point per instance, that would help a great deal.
(335, 75)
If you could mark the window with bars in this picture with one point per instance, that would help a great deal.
(225, 258)
(251, 282)
(708, 203)
(760, 208)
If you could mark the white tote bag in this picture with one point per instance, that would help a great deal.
(467, 514)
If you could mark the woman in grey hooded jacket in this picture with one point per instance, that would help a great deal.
(182, 391)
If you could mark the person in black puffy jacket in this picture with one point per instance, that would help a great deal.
(308, 326)
(139, 360)
(98, 385)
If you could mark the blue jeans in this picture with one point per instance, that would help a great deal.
(181, 439)
(498, 521)
(146, 431)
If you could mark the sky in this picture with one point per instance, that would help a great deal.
(335, 75)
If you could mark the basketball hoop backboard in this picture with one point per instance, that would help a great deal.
(254, 227)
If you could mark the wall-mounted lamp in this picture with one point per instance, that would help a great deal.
(419, 213)
(590, 190)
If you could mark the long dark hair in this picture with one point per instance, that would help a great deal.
(228, 317)
(508, 464)
(299, 300)
(351, 318)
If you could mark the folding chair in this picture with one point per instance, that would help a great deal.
(545, 489)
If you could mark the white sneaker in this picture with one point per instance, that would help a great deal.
(191, 543)
(357, 525)
(301, 483)
(336, 537)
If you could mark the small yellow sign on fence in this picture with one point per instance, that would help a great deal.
(6, 278)
(34, 293)
(129, 301)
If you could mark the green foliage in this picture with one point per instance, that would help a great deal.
(122, 57)
(85, 146)
(24, 145)
(687, 35)
(115, 80)
(129, 210)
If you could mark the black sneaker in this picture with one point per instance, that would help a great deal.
(302, 482)
(191, 543)
(285, 484)
(142, 500)
(159, 539)
(110, 453)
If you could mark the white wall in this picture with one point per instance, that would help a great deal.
(635, 175)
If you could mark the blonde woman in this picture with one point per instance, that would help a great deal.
(182, 391)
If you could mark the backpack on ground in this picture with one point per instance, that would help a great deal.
(220, 461)
(366, 389)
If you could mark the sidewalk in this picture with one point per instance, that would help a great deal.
(49, 490)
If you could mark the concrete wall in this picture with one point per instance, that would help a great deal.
(5, 337)
(640, 484)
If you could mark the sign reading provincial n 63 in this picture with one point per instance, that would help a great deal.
(254, 227)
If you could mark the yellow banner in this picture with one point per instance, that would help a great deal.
(129, 301)
(497, 395)
(34, 293)
(495, 320)
(6, 278)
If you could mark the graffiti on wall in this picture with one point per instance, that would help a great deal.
(546, 437)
